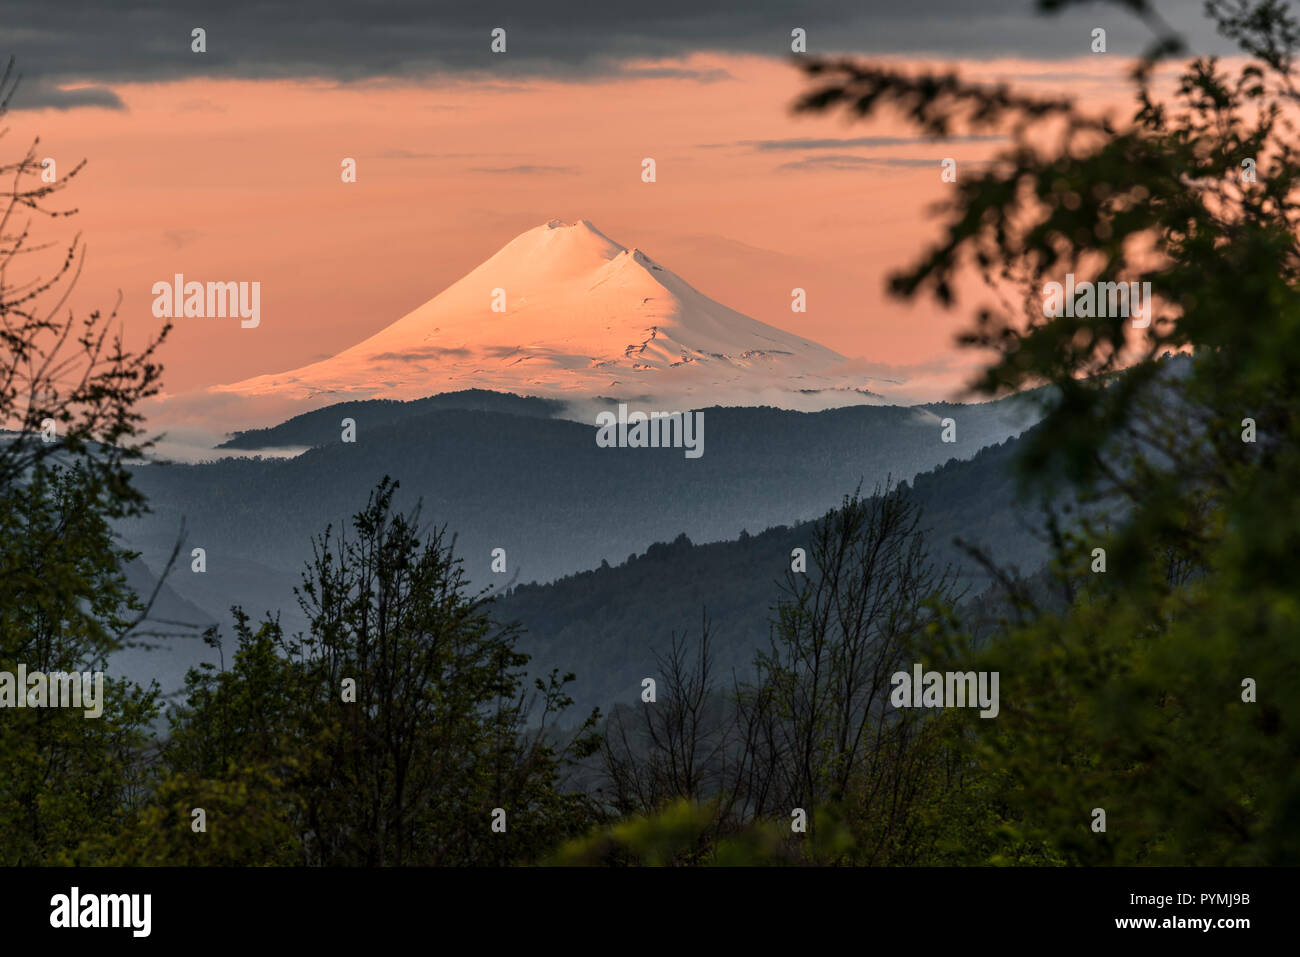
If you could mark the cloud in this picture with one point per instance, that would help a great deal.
(97, 44)
(946, 376)
(851, 141)
(405, 154)
(717, 75)
(47, 94)
(900, 372)
(844, 161)
(179, 238)
(199, 106)
(527, 169)
(851, 161)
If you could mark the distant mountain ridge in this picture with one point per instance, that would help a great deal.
(321, 426)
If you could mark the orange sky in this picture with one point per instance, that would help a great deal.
(240, 180)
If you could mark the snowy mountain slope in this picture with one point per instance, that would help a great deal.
(576, 316)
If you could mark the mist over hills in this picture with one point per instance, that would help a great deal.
(559, 505)
(607, 624)
(609, 551)
(543, 490)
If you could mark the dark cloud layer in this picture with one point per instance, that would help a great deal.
(100, 43)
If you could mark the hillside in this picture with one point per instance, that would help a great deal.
(607, 624)
(542, 489)
(321, 426)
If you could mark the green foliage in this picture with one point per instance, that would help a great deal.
(1123, 691)
(390, 731)
(68, 391)
(1129, 696)
(64, 607)
(681, 834)
(247, 824)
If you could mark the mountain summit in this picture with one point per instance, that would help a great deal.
(564, 311)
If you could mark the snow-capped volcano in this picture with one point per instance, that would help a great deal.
(564, 311)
